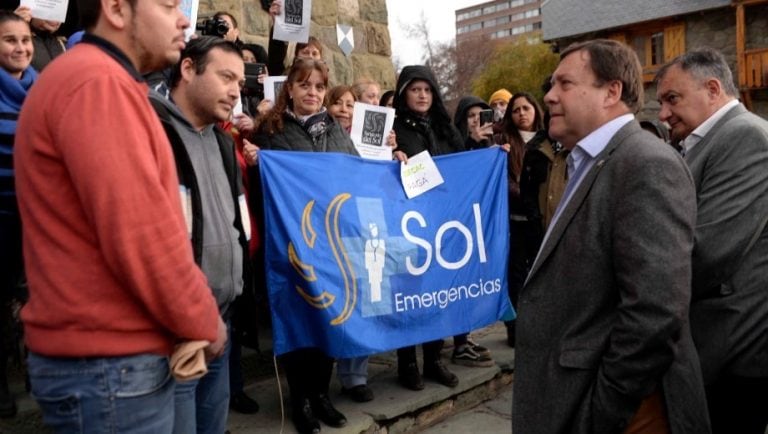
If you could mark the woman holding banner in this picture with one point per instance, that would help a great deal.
(299, 122)
(423, 124)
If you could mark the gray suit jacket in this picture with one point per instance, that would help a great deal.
(603, 318)
(729, 313)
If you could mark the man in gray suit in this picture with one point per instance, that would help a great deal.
(603, 342)
(726, 149)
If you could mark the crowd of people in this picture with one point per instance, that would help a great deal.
(637, 261)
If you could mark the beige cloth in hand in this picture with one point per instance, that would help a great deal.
(188, 361)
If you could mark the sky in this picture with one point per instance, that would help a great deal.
(441, 18)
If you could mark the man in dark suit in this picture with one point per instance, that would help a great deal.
(603, 341)
(726, 149)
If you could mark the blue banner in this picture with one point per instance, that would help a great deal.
(355, 267)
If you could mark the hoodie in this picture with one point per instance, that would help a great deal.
(460, 121)
(433, 132)
(211, 191)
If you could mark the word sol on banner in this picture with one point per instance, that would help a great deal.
(451, 224)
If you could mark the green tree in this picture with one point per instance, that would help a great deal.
(520, 65)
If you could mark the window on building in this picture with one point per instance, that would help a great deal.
(475, 26)
(502, 20)
(502, 6)
(532, 13)
(489, 10)
(654, 47)
(537, 26)
(516, 3)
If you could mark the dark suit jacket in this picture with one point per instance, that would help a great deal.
(603, 317)
(729, 313)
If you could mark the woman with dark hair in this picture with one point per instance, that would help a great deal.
(300, 122)
(341, 105)
(387, 98)
(16, 79)
(422, 123)
(522, 120)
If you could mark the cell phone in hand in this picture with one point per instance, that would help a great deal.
(486, 117)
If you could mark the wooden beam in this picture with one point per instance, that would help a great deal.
(740, 44)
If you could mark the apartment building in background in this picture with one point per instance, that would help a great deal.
(498, 19)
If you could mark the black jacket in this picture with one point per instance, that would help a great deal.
(460, 121)
(435, 132)
(295, 138)
(188, 179)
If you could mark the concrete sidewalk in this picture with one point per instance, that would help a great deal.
(394, 410)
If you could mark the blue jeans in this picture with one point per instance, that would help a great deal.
(132, 394)
(352, 372)
(202, 406)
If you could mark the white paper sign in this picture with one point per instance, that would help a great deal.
(189, 8)
(238, 108)
(272, 86)
(370, 126)
(420, 174)
(53, 10)
(292, 24)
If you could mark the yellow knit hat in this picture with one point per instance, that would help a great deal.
(502, 94)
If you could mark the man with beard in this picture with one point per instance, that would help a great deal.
(113, 284)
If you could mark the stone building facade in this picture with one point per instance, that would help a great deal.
(371, 56)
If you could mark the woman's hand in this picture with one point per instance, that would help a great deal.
(274, 8)
(480, 133)
(400, 156)
(251, 153)
(392, 139)
(24, 12)
(264, 107)
(243, 123)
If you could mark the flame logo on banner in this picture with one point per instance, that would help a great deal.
(307, 271)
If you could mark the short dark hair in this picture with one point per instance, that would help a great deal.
(703, 64)
(197, 50)
(6, 16)
(312, 41)
(613, 61)
(89, 11)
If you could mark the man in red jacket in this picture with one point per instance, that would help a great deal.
(112, 281)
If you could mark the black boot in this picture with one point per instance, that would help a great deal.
(410, 377)
(324, 410)
(303, 418)
(437, 371)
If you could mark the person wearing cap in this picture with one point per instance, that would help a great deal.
(498, 102)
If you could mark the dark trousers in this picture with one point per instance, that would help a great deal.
(308, 371)
(11, 272)
(431, 349)
(519, 263)
(738, 405)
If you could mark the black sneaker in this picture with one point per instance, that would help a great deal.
(303, 418)
(242, 403)
(479, 349)
(359, 393)
(466, 355)
(325, 411)
(438, 372)
(410, 377)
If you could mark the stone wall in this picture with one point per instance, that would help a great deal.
(372, 54)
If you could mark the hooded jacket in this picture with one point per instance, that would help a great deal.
(189, 181)
(434, 132)
(460, 121)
